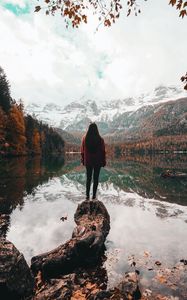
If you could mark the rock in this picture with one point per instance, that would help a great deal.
(129, 286)
(57, 289)
(76, 286)
(84, 249)
(173, 174)
(15, 276)
(101, 295)
(4, 224)
(88, 286)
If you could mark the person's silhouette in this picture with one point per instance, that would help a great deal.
(92, 157)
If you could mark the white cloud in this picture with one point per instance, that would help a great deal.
(47, 63)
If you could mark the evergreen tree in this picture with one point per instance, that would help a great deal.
(5, 98)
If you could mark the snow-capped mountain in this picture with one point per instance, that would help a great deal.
(76, 116)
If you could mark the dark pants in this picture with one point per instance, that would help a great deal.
(89, 171)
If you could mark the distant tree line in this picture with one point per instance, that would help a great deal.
(156, 144)
(22, 134)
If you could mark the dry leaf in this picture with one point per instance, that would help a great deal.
(161, 278)
(78, 295)
(146, 253)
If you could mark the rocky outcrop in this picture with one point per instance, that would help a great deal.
(16, 280)
(90, 284)
(83, 249)
(4, 223)
(110, 115)
(73, 271)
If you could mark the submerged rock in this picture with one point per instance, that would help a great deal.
(129, 286)
(15, 276)
(173, 174)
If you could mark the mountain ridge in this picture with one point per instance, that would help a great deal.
(131, 117)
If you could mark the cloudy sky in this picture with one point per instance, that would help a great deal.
(45, 62)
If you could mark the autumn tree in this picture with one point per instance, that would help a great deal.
(42, 139)
(20, 134)
(5, 104)
(75, 12)
(16, 130)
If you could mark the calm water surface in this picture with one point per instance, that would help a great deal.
(148, 213)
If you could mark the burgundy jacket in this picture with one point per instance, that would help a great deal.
(93, 159)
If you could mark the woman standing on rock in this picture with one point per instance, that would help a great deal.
(92, 157)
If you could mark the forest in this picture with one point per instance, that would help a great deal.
(22, 134)
(153, 145)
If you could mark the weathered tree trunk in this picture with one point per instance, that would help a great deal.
(83, 249)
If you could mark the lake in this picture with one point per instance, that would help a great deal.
(148, 213)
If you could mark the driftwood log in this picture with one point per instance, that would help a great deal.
(84, 249)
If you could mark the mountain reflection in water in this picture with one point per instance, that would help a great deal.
(148, 213)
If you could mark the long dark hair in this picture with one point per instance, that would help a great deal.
(92, 138)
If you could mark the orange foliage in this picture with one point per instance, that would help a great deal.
(108, 11)
(180, 5)
(21, 135)
(16, 130)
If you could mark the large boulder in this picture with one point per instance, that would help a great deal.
(16, 280)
